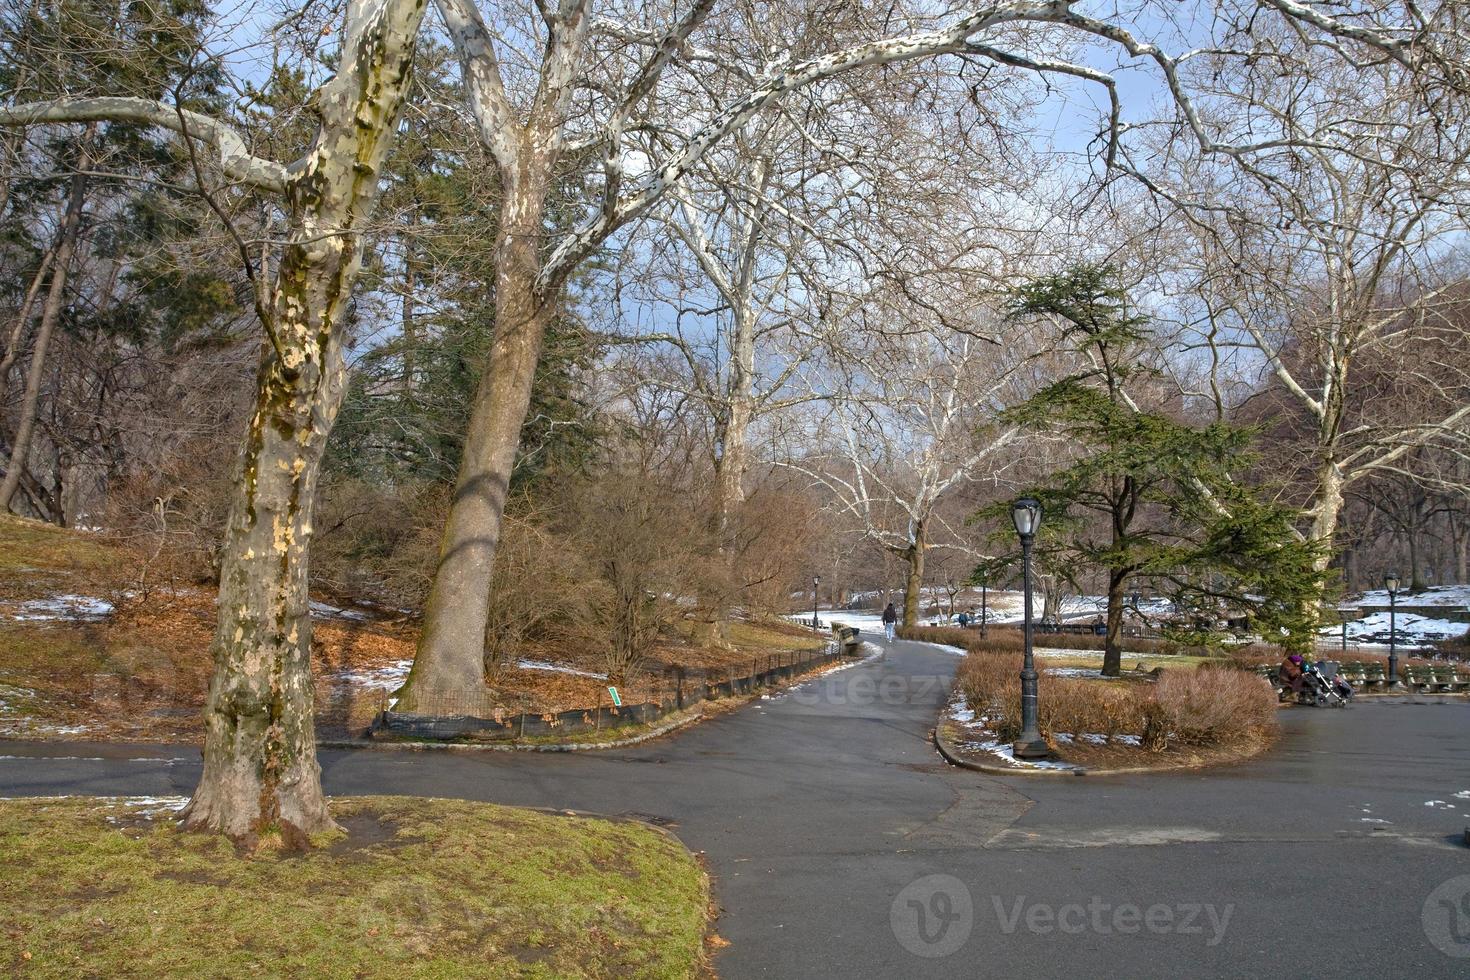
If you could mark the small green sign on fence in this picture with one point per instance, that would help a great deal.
(617, 701)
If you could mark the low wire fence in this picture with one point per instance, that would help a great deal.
(473, 715)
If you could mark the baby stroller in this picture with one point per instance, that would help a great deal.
(1322, 686)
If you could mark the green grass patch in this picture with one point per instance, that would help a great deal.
(28, 546)
(773, 637)
(420, 888)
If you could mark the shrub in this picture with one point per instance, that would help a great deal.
(1209, 706)
(999, 638)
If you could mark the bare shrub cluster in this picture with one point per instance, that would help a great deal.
(1205, 707)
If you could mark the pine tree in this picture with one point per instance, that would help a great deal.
(1150, 497)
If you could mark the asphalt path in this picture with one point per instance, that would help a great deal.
(842, 846)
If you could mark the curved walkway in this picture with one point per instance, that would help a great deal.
(842, 846)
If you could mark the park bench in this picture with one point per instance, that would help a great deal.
(1374, 675)
(1436, 679)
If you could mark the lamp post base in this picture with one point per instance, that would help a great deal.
(1032, 747)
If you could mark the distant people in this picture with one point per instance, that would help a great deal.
(890, 621)
(964, 619)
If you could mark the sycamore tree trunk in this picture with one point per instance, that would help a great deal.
(260, 767)
(20, 446)
(731, 462)
(449, 665)
(1113, 647)
(914, 580)
(1327, 504)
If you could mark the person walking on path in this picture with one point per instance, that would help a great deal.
(890, 621)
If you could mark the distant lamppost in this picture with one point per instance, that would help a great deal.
(984, 608)
(1391, 583)
(816, 581)
(1026, 515)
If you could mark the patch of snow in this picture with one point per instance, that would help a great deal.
(558, 668)
(69, 608)
(1073, 672)
(1439, 805)
(1003, 751)
(962, 714)
(1095, 738)
(29, 728)
(1373, 820)
(388, 678)
(1435, 595)
(337, 612)
(946, 648)
(1464, 794)
(149, 806)
(1134, 740)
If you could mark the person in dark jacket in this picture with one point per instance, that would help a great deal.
(1292, 673)
(890, 621)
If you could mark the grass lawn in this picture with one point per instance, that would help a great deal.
(433, 888)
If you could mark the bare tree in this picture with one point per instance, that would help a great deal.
(584, 87)
(1323, 260)
(260, 765)
(917, 421)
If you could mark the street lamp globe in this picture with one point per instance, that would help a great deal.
(1391, 582)
(1026, 515)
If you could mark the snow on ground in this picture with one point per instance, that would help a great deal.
(1005, 754)
(69, 608)
(558, 668)
(15, 720)
(1411, 629)
(961, 714)
(327, 611)
(391, 677)
(1435, 595)
(387, 678)
(150, 807)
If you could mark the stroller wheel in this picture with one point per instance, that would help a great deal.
(1321, 700)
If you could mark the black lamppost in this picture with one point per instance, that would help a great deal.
(1026, 515)
(816, 623)
(1391, 583)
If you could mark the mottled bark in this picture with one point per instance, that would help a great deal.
(1327, 503)
(25, 426)
(260, 768)
(914, 581)
(449, 664)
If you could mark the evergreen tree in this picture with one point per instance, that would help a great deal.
(1151, 498)
(433, 275)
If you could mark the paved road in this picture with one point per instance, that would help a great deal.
(826, 817)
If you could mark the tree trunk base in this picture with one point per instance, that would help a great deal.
(233, 800)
